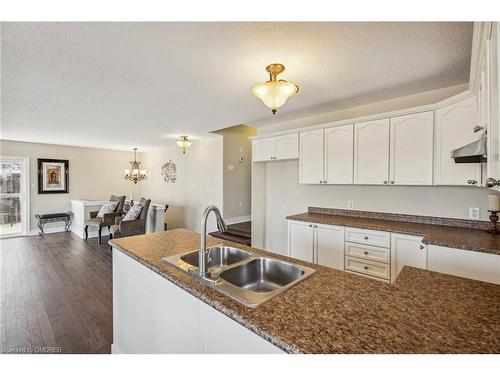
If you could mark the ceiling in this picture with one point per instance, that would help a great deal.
(119, 85)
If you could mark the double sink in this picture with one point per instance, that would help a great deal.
(240, 275)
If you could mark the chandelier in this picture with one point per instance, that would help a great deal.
(184, 143)
(136, 173)
(275, 93)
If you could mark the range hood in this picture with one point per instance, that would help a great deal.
(474, 152)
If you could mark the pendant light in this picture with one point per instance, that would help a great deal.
(274, 93)
(135, 174)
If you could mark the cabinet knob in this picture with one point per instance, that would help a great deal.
(315, 226)
(392, 182)
(422, 247)
(473, 182)
(325, 181)
(366, 253)
(320, 181)
(310, 225)
(490, 182)
(366, 268)
(366, 237)
(385, 182)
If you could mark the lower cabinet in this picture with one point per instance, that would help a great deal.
(464, 263)
(152, 315)
(407, 251)
(316, 243)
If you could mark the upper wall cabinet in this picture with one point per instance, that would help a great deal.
(311, 157)
(371, 152)
(454, 128)
(326, 155)
(339, 156)
(276, 148)
(411, 149)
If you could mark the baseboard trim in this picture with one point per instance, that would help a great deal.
(115, 349)
(79, 232)
(238, 219)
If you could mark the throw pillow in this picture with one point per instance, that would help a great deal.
(107, 207)
(133, 213)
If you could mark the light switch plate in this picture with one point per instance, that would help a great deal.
(350, 204)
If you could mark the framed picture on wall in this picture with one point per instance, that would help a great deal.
(53, 176)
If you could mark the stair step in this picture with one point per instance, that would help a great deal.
(241, 229)
(232, 237)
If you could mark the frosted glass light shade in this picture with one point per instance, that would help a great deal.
(274, 94)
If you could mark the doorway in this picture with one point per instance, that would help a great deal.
(14, 217)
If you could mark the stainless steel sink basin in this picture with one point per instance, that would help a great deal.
(262, 275)
(218, 256)
(243, 277)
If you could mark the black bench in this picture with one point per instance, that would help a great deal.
(50, 218)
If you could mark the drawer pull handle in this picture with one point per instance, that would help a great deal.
(366, 237)
(366, 252)
(366, 268)
(422, 247)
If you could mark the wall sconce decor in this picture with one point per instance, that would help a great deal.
(169, 171)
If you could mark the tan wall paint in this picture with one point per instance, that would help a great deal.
(199, 181)
(94, 174)
(237, 175)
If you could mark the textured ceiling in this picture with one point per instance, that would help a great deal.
(118, 85)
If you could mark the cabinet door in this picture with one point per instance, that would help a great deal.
(371, 152)
(311, 157)
(464, 263)
(492, 101)
(411, 149)
(264, 149)
(329, 246)
(407, 251)
(287, 146)
(454, 124)
(339, 154)
(300, 240)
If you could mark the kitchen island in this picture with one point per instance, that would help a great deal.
(329, 312)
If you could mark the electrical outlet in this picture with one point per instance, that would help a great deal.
(350, 204)
(474, 213)
(241, 204)
(282, 209)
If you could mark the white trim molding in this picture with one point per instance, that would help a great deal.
(237, 219)
(480, 36)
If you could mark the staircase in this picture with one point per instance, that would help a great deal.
(239, 232)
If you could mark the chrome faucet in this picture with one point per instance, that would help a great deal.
(203, 254)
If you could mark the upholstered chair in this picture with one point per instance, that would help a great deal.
(107, 220)
(126, 228)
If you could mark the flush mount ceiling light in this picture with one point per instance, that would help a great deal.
(135, 174)
(183, 142)
(275, 93)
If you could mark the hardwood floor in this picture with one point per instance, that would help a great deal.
(56, 294)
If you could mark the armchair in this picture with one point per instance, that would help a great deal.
(107, 220)
(135, 227)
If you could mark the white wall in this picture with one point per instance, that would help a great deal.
(282, 189)
(199, 181)
(94, 174)
(237, 174)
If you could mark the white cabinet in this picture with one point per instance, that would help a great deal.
(339, 155)
(411, 149)
(407, 251)
(371, 152)
(301, 240)
(454, 128)
(276, 148)
(316, 243)
(464, 263)
(152, 315)
(311, 157)
(329, 246)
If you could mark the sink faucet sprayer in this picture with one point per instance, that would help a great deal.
(203, 254)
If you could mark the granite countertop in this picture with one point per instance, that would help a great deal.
(338, 312)
(441, 235)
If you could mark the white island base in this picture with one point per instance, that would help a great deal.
(152, 315)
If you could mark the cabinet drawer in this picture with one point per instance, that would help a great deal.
(368, 252)
(368, 267)
(368, 237)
